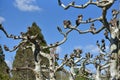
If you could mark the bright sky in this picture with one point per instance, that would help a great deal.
(17, 15)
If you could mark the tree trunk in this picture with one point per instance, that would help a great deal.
(51, 65)
(114, 48)
(71, 77)
(52, 73)
(72, 74)
(118, 60)
(38, 71)
(98, 75)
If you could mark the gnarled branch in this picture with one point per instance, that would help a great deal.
(101, 4)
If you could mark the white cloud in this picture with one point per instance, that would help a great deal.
(2, 19)
(27, 5)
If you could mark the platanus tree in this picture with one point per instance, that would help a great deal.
(112, 29)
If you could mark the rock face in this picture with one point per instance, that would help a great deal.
(25, 57)
(4, 69)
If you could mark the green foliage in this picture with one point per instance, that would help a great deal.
(36, 30)
(4, 70)
(4, 77)
(22, 59)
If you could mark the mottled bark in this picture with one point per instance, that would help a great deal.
(114, 49)
(51, 68)
(98, 73)
(38, 71)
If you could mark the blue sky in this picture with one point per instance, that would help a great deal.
(17, 15)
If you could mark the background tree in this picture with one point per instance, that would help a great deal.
(33, 43)
(4, 69)
(25, 57)
(112, 27)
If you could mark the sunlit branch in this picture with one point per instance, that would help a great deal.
(106, 65)
(1, 28)
(102, 51)
(82, 32)
(61, 65)
(78, 60)
(72, 4)
(68, 25)
(104, 19)
(11, 36)
(100, 4)
(90, 20)
(15, 47)
(97, 31)
(44, 54)
(60, 42)
(83, 64)
(88, 31)
(103, 4)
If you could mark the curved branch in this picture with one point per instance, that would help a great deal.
(15, 47)
(87, 31)
(1, 28)
(91, 20)
(104, 19)
(105, 3)
(106, 65)
(60, 66)
(45, 54)
(99, 30)
(100, 4)
(65, 7)
(82, 32)
(11, 36)
(60, 42)
(72, 4)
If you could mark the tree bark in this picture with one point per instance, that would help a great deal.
(52, 68)
(38, 71)
(114, 49)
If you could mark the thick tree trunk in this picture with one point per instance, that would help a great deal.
(38, 71)
(51, 66)
(98, 75)
(52, 73)
(119, 50)
(71, 77)
(115, 49)
(118, 60)
(72, 73)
